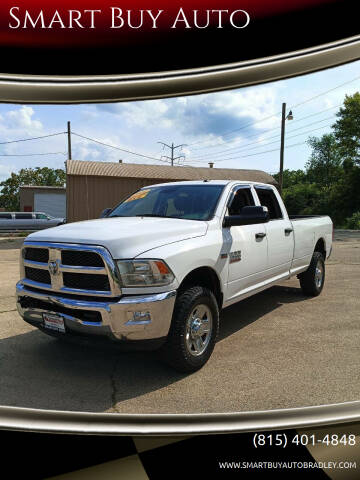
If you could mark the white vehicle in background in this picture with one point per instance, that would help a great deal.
(158, 269)
(28, 221)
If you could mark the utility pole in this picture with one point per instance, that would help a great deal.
(172, 149)
(69, 140)
(282, 145)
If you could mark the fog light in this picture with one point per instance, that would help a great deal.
(138, 318)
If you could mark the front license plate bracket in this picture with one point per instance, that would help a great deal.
(54, 322)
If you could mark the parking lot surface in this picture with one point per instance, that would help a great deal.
(278, 349)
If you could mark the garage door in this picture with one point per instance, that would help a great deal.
(53, 204)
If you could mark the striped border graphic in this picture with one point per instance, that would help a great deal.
(113, 88)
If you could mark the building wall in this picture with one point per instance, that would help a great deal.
(27, 196)
(88, 196)
(26, 199)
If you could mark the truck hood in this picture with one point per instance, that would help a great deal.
(124, 237)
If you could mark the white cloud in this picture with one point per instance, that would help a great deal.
(256, 104)
(204, 117)
(22, 119)
(141, 114)
(87, 150)
(5, 171)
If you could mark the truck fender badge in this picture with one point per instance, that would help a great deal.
(235, 256)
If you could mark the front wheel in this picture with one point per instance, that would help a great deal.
(194, 329)
(312, 281)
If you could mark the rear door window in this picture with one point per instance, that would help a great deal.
(268, 199)
(5, 216)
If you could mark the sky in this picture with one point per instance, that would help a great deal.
(234, 129)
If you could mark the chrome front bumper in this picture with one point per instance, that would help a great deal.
(130, 318)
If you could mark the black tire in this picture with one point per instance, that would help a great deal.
(311, 281)
(176, 351)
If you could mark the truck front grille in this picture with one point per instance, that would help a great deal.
(37, 275)
(79, 258)
(86, 282)
(76, 269)
(37, 254)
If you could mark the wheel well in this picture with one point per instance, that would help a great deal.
(204, 277)
(320, 247)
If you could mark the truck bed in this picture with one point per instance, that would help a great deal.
(307, 229)
(303, 217)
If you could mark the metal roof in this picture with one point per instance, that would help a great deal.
(42, 187)
(164, 172)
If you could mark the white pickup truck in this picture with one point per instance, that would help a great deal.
(156, 271)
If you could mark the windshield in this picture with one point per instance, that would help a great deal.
(190, 202)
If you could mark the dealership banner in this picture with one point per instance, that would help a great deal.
(320, 453)
(102, 51)
(107, 51)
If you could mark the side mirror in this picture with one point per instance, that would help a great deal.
(105, 212)
(249, 216)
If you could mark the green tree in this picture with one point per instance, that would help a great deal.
(10, 188)
(331, 183)
(344, 196)
(353, 222)
(291, 177)
(302, 199)
(325, 164)
(347, 128)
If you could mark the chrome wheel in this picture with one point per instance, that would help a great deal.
(198, 330)
(319, 274)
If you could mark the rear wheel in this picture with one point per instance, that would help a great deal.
(194, 329)
(312, 281)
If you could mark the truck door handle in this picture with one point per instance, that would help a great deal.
(260, 235)
(288, 231)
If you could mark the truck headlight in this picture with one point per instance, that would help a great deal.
(140, 273)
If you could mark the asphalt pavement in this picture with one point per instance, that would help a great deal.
(278, 349)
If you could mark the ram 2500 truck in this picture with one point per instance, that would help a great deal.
(158, 269)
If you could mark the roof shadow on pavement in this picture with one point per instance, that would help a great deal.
(37, 371)
(243, 313)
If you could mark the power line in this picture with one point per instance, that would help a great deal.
(237, 129)
(118, 148)
(290, 107)
(33, 138)
(324, 93)
(317, 113)
(274, 150)
(245, 147)
(293, 136)
(271, 129)
(30, 154)
(255, 154)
